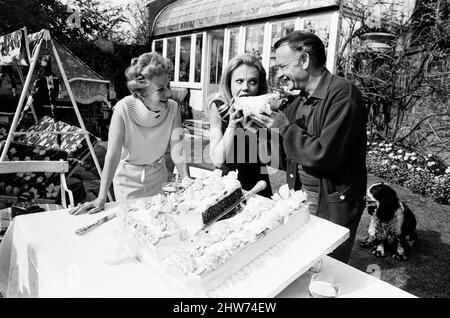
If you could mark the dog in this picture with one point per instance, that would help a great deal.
(392, 225)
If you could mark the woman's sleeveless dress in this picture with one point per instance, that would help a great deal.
(244, 158)
(142, 170)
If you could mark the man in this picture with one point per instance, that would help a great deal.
(323, 134)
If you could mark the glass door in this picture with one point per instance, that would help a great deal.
(214, 62)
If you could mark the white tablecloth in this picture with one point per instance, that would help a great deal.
(41, 256)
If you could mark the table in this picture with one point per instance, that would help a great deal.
(40, 256)
(6, 213)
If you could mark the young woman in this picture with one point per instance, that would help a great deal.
(232, 147)
(142, 126)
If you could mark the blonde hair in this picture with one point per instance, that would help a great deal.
(241, 59)
(143, 68)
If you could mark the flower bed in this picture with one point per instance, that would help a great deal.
(423, 175)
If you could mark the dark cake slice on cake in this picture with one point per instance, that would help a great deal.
(211, 213)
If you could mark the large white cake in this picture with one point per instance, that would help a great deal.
(167, 231)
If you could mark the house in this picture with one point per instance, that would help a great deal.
(201, 36)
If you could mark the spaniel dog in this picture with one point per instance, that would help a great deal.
(392, 225)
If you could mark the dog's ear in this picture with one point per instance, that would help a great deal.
(388, 204)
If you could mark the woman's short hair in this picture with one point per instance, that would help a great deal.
(241, 59)
(143, 68)
(304, 41)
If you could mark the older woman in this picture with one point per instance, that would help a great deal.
(143, 125)
(231, 147)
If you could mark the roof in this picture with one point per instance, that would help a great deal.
(188, 15)
(87, 86)
(73, 66)
(154, 8)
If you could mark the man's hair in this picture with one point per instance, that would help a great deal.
(303, 41)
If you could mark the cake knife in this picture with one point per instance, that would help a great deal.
(84, 229)
(259, 186)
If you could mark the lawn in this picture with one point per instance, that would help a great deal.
(426, 273)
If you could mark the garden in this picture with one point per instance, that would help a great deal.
(403, 71)
(424, 175)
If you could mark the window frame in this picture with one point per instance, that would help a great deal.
(333, 41)
(334, 19)
(191, 82)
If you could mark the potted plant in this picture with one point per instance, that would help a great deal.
(378, 26)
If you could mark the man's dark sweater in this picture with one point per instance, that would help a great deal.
(327, 138)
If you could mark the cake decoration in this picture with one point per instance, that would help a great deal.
(165, 230)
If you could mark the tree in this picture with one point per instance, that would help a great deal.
(139, 22)
(395, 76)
(101, 22)
(35, 15)
(97, 40)
(96, 22)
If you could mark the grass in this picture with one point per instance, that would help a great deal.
(426, 273)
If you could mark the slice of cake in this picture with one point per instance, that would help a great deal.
(202, 200)
(205, 198)
(251, 105)
(262, 104)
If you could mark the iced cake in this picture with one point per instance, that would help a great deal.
(165, 231)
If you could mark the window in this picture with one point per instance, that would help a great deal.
(320, 26)
(185, 58)
(234, 43)
(279, 30)
(254, 40)
(159, 46)
(171, 55)
(198, 57)
(216, 57)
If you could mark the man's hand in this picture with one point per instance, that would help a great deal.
(276, 120)
(88, 207)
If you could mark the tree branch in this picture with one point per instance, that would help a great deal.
(419, 123)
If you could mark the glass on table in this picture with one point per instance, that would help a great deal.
(172, 186)
(323, 285)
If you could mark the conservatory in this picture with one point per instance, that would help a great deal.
(201, 36)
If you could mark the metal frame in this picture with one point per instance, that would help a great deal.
(12, 132)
